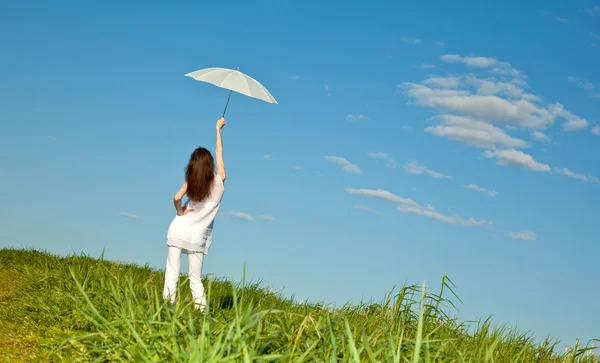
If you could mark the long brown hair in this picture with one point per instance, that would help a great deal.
(199, 174)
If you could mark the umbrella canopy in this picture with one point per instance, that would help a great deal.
(233, 80)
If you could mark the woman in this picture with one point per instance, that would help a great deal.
(191, 230)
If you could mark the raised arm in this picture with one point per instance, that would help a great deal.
(219, 150)
(178, 197)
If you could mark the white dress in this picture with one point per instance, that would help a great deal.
(193, 231)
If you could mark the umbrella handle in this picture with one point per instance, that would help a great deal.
(227, 104)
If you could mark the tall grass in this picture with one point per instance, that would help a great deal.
(83, 309)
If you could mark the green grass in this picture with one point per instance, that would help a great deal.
(83, 309)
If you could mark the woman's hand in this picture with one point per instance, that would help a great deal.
(184, 210)
(220, 123)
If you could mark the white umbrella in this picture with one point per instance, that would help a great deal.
(233, 80)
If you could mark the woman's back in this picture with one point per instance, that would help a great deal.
(192, 231)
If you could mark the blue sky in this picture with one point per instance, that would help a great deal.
(409, 140)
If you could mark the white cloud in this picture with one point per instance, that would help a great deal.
(532, 98)
(516, 158)
(519, 159)
(523, 235)
(475, 187)
(294, 78)
(491, 109)
(326, 86)
(474, 132)
(475, 62)
(570, 174)
(382, 194)
(241, 216)
(268, 157)
(296, 167)
(586, 85)
(52, 137)
(129, 215)
(540, 136)
(427, 66)
(366, 209)
(427, 211)
(430, 212)
(483, 106)
(381, 155)
(555, 17)
(409, 206)
(583, 83)
(359, 117)
(593, 10)
(268, 218)
(440, 44)
(345, 164)
(498, 98)
(415, 168)
(492, 87)
(575, 123)
(442, 82)
(411, 40)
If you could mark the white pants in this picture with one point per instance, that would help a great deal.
(195, 260)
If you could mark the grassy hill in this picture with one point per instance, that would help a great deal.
(84, 309)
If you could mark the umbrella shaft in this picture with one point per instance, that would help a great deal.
(227, 104)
